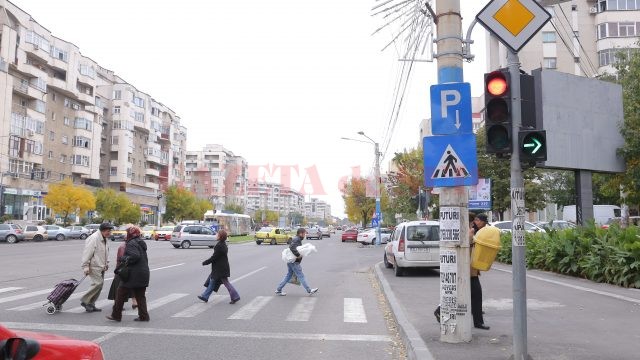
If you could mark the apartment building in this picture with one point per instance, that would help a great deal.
(275, 197)
(316, 209)
(582, 38)
(217, 174)
(65, 116)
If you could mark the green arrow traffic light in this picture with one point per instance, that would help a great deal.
(533, 145)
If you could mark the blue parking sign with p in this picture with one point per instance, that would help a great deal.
(451, 109)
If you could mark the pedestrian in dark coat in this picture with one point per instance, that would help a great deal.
(220, 270)
(135, 256)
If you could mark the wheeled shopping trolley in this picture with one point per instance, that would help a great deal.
(60, 294)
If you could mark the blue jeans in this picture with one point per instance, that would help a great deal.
(225, 281)
(294, 268)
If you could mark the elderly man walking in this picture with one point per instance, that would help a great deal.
(94, 264)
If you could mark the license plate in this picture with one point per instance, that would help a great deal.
(424, 250)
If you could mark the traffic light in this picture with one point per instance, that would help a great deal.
(497, 100)
(533, 145)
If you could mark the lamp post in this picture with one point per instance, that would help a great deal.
(377, 189)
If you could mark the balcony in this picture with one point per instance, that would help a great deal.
(86, 98)
(152, 185)
(29, 91)
(153, 158)
(80, 169)
(152, 172)
(58, 83)
(164, 137)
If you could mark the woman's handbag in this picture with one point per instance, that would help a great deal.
(123, 271)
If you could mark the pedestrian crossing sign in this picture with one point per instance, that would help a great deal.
(450, 160)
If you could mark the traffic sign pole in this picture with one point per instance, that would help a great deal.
(455, 294)
(517, 226)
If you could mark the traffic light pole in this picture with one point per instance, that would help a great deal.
(518, 209)
(455, 294)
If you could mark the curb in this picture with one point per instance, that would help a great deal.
(416, 347)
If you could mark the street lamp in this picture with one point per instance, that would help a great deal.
(377, 176)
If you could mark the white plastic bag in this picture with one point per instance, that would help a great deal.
(304, 250)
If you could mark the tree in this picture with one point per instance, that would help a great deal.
(270, 216)
(358, 206)
(66, 199)
(236, 208)
(180, 204)
(296, 218)
(199, 207)
(405, 183)
(116, 207)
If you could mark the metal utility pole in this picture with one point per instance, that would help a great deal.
(378, 213)
(517, 225)
(455, 301)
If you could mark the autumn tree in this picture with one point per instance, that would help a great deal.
(406, 181)
(235, 208)
(359, 207)
(66, 199)
(181, 204)
(116, 207)
(270, 216)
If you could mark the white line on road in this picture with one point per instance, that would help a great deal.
(199, 333)
(38, 304)
(302, 310)
(25, 296)
(354, 311)
(110, 335)
(582, 288)
(158, 302)
(251, 309)
(200, 307)
(160, 268)
(98, 304)
(248, 274)
(10, 289)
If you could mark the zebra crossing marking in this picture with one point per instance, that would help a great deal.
(303, 309)
(26, 295)
(199, 308)
(80, 309)
(3, 290)
(39, 304)
(157, 303)
(354, 311)
(251, 309)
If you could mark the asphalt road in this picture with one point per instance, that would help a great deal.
(347, 319)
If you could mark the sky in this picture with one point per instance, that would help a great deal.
(278, 82)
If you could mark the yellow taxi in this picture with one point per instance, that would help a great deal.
(149, 232)
(272, 235)
(119, 233)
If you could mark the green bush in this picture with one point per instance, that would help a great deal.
(610, 256)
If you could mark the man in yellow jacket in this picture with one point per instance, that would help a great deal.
(94, 264)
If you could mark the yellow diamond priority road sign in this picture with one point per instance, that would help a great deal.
(514, 22)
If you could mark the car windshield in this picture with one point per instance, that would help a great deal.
(123, 228)
(147, 228)
(167, 228)
(423, 233)
(265, 229)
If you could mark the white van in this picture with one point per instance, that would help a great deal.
(601, 213)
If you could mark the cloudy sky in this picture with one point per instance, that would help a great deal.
(278, 82)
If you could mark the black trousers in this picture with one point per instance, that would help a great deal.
(476, 301)
(122, 294)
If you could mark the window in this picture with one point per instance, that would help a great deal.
(627, 29)
(50, 155)
(80, 160)
(114, 140)
(549, 63)
(117, 94)
(53, 116)
(138, 101)
(37, 40)
(63, 158)
(548, 36)
(67, 121)
(87, 70)
(39, 106)
(65, 139)
(59, 54)
(52, 135)
(82, 123)
(116, 109)
(113, 171)
(80, 141)
(139, 117)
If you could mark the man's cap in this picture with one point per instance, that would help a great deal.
(482, 217)
(106, 226)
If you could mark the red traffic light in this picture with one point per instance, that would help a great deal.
(496, 83)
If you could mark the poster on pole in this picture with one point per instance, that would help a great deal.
(448, 290)
(450, 224)
(517, 227)
(480, 195)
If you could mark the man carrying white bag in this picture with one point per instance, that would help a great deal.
(293, 257)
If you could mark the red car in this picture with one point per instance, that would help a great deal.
(350, 235)
(42, 346)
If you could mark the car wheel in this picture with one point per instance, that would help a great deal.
(387, 264)
(59, 237)
(12, 239)
(185, 244)
(273, 241)
(38, 238)
(176, 246)
(83, 236)
(398, 271)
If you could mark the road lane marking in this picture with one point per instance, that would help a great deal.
(26, 296)
(303, 309)
(160, 268)
(198, 333)
(248, 311)
(354, 311)
(99, 304)
(10, 289)
(110, 335)
(200, 307)
(158, 302)
(39, 304)
(582, 288)
(248, 274)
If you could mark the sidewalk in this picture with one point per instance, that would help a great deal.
(568, 318)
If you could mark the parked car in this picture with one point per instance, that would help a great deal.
(186, 236)
(505, 226)
(119, 233)
(57, 232)
(11, 233)
(325, 232)
(148, 232)
(80, 232)
(92, 228)
(633, 221)
(272, 235)
(555, 225)
(35, 233)
(314, 233)
(164, 233)
(49, 346)
(368, 236)
(413, 244)
(350, 235)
